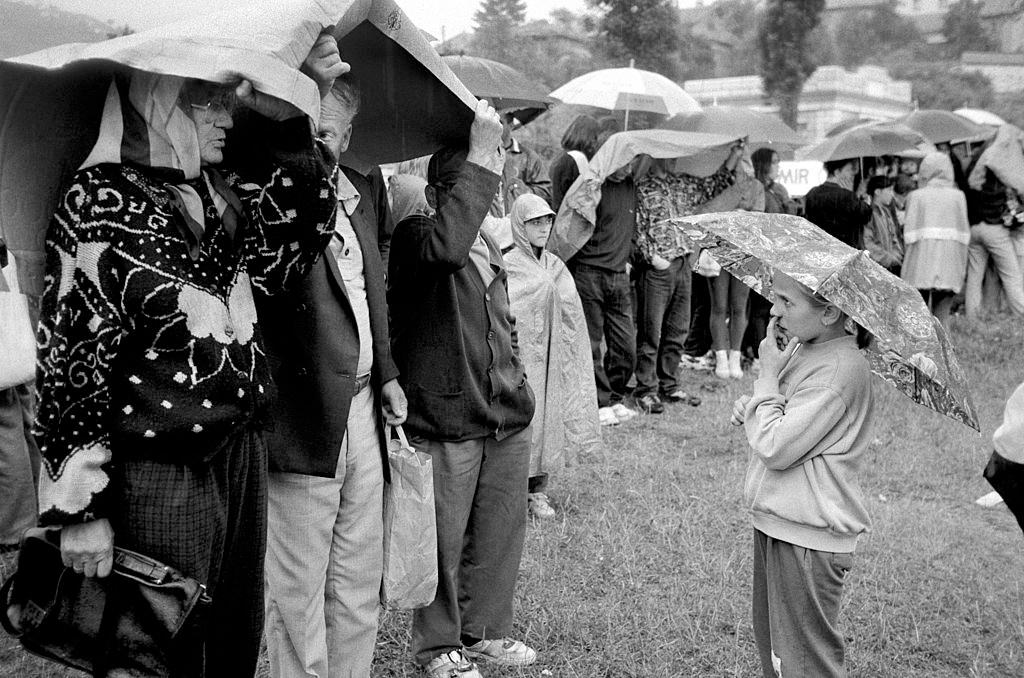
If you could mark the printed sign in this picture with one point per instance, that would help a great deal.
(800, 176)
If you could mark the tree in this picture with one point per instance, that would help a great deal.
(785, 55)
(643, 30)
(938, 86)
(964, 31)
(872, 35)
(496, 32)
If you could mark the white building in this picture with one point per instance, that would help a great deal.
(830, 96)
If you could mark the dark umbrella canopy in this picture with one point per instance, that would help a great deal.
(759, 128)
(503, 86)
(945, 126)
(867, 141)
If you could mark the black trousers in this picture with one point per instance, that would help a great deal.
(608, 308)
(210, 522)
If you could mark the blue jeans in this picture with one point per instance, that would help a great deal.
(608, 308)
(664, 322)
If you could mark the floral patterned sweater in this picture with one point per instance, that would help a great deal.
(660, 198)
(146, 349)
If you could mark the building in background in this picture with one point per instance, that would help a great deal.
(831, 95)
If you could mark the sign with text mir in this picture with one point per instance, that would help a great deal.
(800, 176)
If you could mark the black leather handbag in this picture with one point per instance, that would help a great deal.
(143, 619)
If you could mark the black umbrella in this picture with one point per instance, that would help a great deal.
(506, 88)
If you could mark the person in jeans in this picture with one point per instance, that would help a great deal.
(454, 342)
(601, 272)
(991, 203)
(663, 290)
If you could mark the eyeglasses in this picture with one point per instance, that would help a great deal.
(209, 99)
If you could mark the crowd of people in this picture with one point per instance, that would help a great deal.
(204, 321)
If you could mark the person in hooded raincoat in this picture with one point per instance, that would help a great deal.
(936, 234)
(554, 347)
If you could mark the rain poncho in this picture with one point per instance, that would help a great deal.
(553, 346)
(936, 231)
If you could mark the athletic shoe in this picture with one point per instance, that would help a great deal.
(452, 664)
(540, 505)
(504, 652)
(681, 396)
(607, 417)
(650, 404)
(622, 413)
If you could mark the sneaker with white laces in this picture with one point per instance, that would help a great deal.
(622, 413)
(606, 417)
(452, 664)
(540, 505)
(503, 652)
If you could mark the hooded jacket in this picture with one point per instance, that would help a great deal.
(938, 209)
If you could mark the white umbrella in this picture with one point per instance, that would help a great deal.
(627, 89)
(980, 116)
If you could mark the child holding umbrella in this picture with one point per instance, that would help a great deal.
(808, 422)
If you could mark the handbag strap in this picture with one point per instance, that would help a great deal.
(401, 434)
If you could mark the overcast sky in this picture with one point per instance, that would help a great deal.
(454, 16)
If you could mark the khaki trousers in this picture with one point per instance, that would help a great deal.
(324, 559)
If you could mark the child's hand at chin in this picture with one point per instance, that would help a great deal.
(775, 350)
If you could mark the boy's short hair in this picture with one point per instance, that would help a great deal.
(879, 182)
(833, 166)
(904, 184)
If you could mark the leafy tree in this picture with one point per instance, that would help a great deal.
(496, 32)
(871, 35)
(696, 56)
(786, 61)
(937, 86)
(964, 31)
(642, 30)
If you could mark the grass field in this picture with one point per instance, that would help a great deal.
(646, 570)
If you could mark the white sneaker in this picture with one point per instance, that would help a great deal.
(452, 664)
(735, 365)
(607, 417)
(622, 412)
(540, 505)
(504, 652)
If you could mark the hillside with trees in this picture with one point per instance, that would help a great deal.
(27, 28)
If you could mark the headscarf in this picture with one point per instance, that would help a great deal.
(527, 206)
(936, 170)
(408, 197)
(1005, 157)
(144, 126)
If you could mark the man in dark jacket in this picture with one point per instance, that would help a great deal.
(454, 341)
(835, 208)
(329, 351)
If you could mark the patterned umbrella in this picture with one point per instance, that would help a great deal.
(910, 349)
(503, 86)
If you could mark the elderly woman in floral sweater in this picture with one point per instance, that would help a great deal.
(152, 380)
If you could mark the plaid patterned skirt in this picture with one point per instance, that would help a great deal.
(210, 522)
